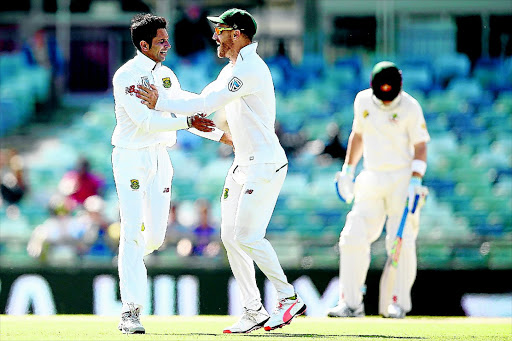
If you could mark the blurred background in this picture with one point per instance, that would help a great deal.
(58, 206)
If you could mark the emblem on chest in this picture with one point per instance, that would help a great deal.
(144, 80)
(166, 82)
(393, 118)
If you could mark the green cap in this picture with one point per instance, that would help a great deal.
(239, 19)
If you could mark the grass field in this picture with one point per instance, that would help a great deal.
(89, 327)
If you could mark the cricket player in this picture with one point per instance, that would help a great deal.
(389, 130)
(140, 160)
(244, 89)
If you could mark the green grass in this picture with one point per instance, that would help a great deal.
(89, 327)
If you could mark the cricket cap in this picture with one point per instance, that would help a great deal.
(386, 81)
(239, 19)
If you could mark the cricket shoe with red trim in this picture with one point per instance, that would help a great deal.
(286, 310)
(249, 321)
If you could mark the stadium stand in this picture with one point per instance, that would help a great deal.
(22, 86)
(469, 115)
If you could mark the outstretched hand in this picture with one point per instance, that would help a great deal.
(202, 123)
(149, 96)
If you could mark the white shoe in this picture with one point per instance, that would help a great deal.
(249, 321)
(286, 310)
(395, 311)
(343, 310)
(130, 321)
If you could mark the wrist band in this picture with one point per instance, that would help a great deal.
(419, 166)
(189, 121)
(348, 169)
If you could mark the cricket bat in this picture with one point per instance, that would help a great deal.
(388, 278)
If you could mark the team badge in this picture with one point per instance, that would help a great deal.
(249, 191)
(365, 113)
(166, 82)
(226, 193)
(134, 184)
(235, 84)
(393, 118)
(144, 80)
(142, 228)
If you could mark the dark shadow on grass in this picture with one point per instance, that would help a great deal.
(305, 336)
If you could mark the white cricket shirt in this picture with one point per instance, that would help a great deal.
(389, 132)
(140, 127)
(246, 91)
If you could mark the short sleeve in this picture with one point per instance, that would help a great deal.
(418, 131)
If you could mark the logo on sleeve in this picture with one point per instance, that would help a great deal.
(166, 82)
(235, 84)
(365, 113)
(226, 193)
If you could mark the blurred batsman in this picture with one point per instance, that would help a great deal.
(245, 91)
(140, 160)
(390, 132)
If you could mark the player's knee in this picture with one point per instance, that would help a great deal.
(131, 235)
(242, 242)
(153, 242)
(352, 238)
(409, 242)
(246, 237)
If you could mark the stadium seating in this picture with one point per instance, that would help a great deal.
(22, 86)
(469, 175)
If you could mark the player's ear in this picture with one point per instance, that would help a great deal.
(144, 45)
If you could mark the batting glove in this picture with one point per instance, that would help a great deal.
(417, 194)
(344, 184)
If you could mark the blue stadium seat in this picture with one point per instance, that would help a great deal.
(449, 66)
(491, 73)
(466, 88)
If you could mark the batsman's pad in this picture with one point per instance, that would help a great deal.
(388, 278)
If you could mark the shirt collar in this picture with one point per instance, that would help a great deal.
(246, 51)
(391, 105)
(145, 62)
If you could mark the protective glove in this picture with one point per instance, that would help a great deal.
(344, 184)
(417, 194)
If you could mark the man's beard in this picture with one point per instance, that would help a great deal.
(224, 48)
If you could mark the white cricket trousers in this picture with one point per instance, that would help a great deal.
(247, 203)
(377, 195)
(143, 181)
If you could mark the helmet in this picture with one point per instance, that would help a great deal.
(386, 81)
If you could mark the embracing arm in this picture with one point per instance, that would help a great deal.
(218, 95)
(147, 119)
